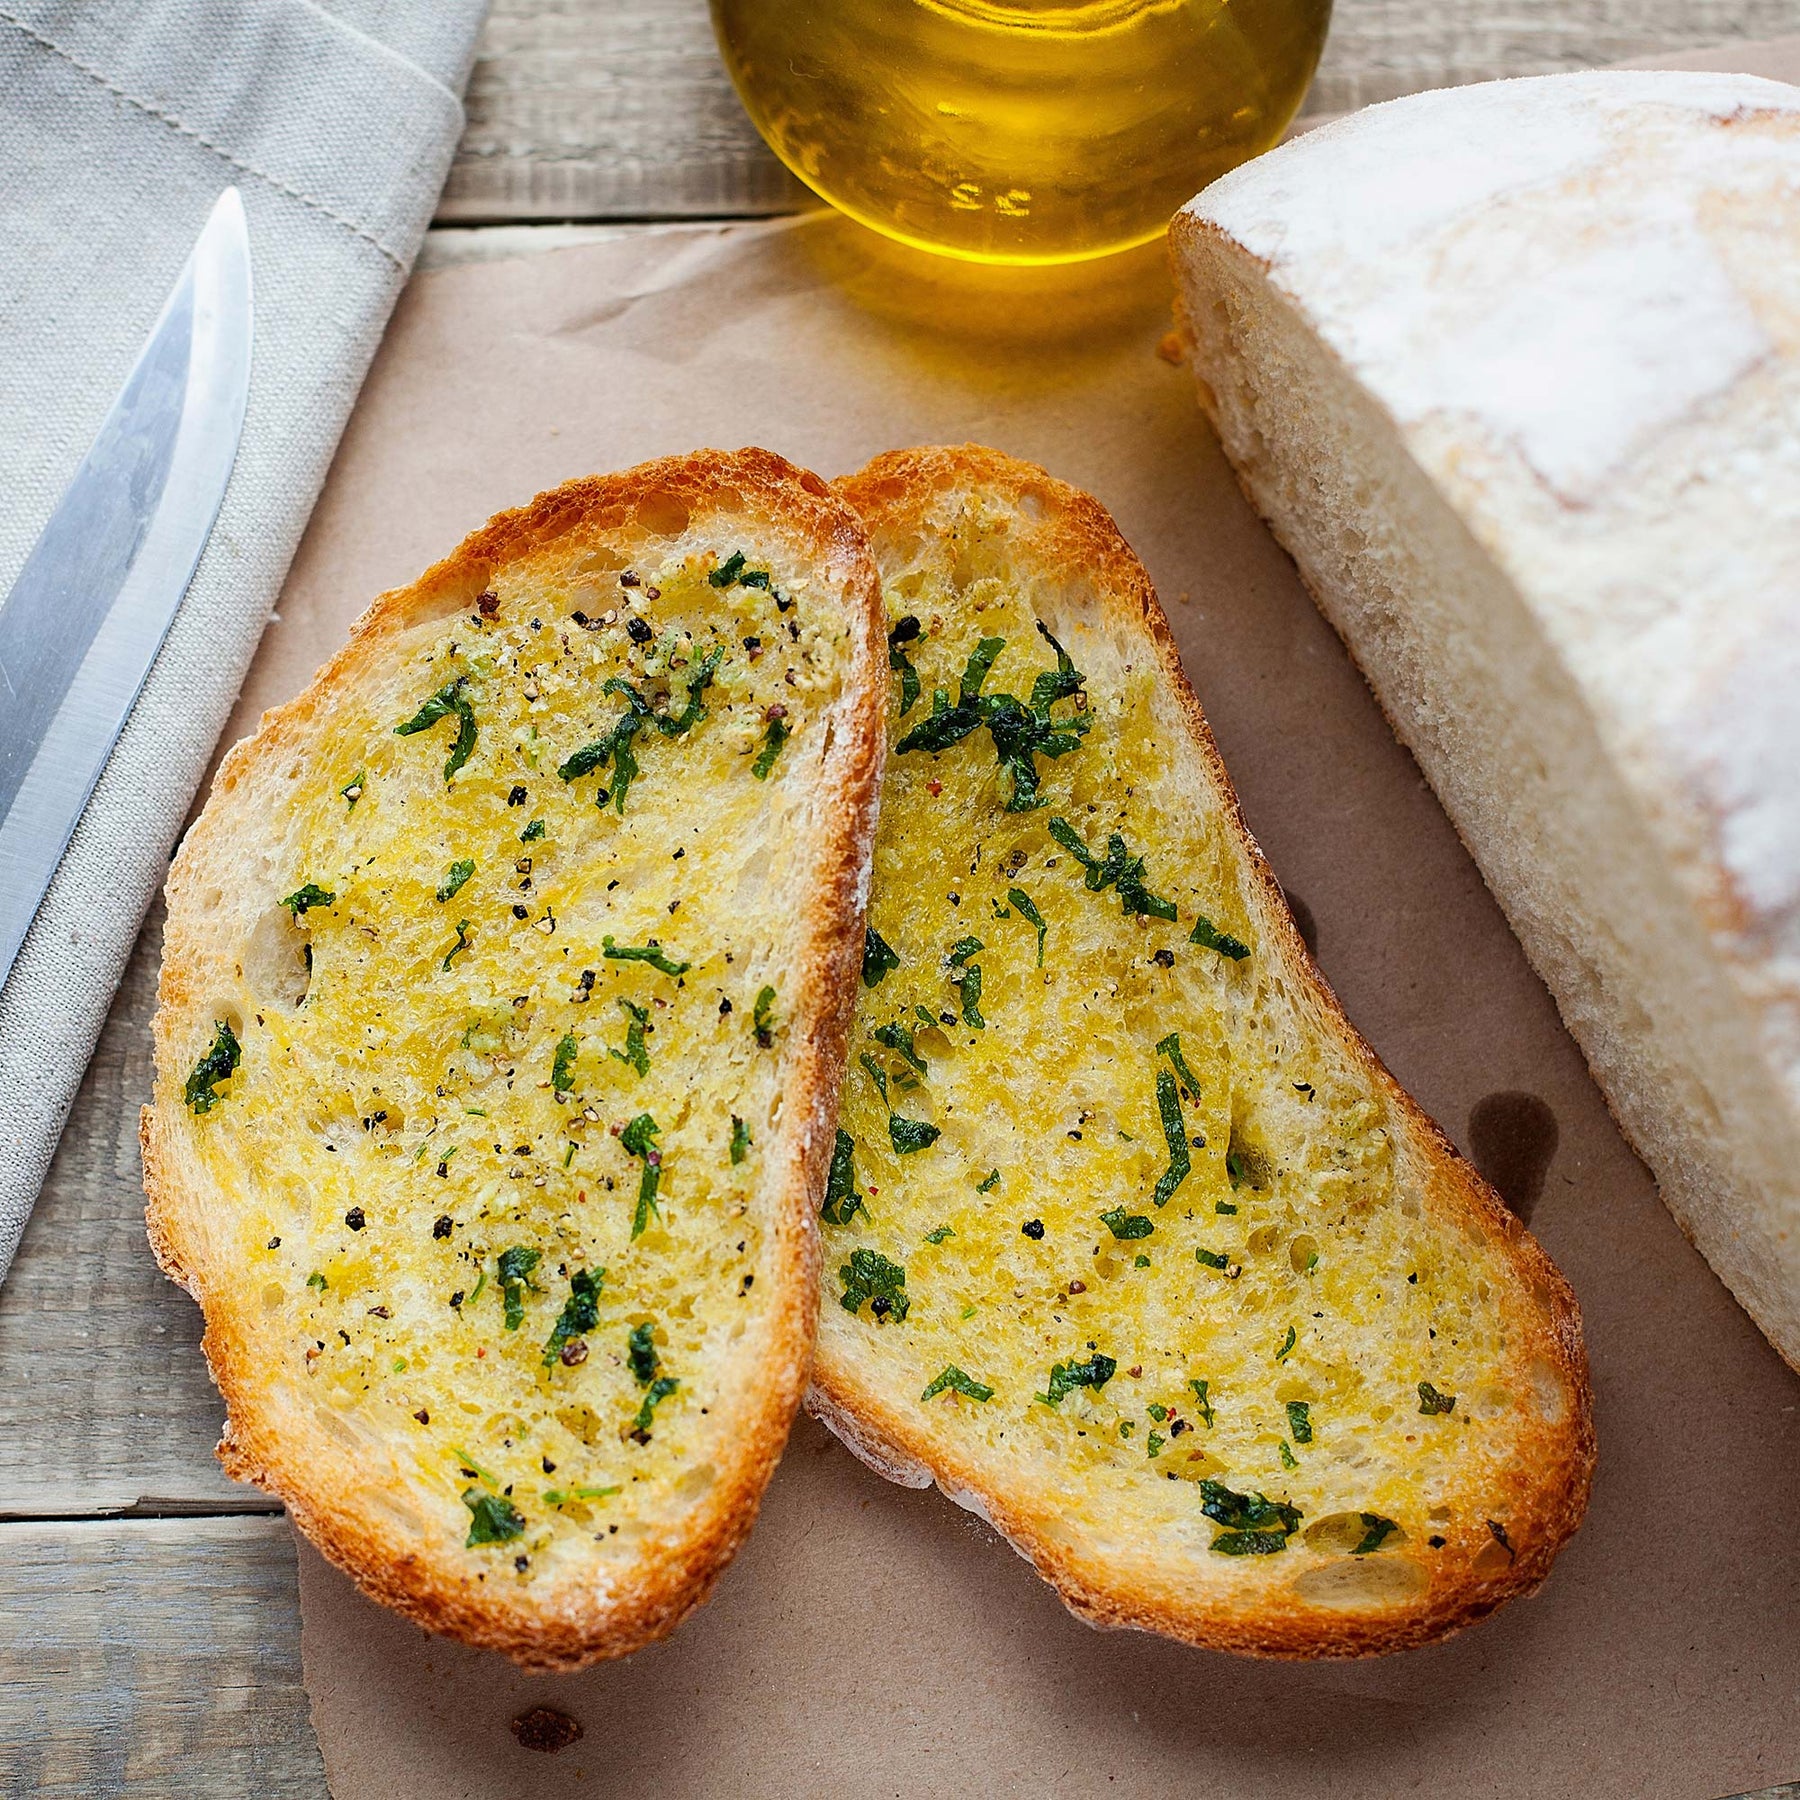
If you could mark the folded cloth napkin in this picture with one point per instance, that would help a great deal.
(121, 122)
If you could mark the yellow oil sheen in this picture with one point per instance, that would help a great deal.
(1030, 132)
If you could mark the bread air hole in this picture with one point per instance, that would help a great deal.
(1362, 1582)
(1339, 1534)
(663, 513)
(275, 962)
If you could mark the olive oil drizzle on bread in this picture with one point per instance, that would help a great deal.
(1136, 1249)
(502, 1203)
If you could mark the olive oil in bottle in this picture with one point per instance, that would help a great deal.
(1023, 131)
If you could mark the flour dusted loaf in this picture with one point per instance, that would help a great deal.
(1514, 373)
(503, 1006)
(1131, 1243)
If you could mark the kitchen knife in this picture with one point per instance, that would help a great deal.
(101, 586)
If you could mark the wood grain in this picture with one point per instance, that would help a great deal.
(107, 1405)
(161, 1659)
(620, 109)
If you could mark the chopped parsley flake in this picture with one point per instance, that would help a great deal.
(774, 737)
(218, 1064)
(617, 747)
(449, 699)
(533, 832)
(906, 1135)
(638, 1139)
(869, 1278)
(900, 1040)
(841, 1198)
(1022, 900)
(461, 944)
(1168, 1104)
(1206, 934)
(634, 1055)
(1287, 1345)
(640, 1353)
(580, 1313)
(731, 572)
(1212, 1259)
(651, 953)
(316, 1280)
(938, 1234)
(304, 899)
(1171, 1048)
(660, 1389)
(905, 631)
(879, 958)
(1376, 1532)
(740, 1140)
(1020, 733)
(1154, 1443)
(493, 1519)
(1254, 1526)
(562, 1065)
(1431, 1401)
(762, 1021)
(1288, 1459)
(1126, 1226)
(1299, 1414)
(989, 1182)
(456, 878)
(954, 1381)
(1095, 1373)
(516, 1265)
(1118, 869)
(1201, 1401)
(969, 979)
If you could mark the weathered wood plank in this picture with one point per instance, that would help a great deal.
(620, 109)
(153, 1658)
(107, 1404)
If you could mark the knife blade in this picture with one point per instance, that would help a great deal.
(101, 587)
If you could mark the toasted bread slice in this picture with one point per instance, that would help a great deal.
(502, 1017)
(1132, 1244)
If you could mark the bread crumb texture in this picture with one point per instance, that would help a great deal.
(1131, 1242)
(486, 1082)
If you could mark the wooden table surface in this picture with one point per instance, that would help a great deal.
(149, 1620)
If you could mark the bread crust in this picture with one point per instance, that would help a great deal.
(287, 1456)
(1551, 1479)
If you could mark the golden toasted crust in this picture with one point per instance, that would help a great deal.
(1545, 1492)
(287, 1454)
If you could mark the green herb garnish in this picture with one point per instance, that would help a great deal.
(580, 1313)
(989, 1182)
(1154, 1443)
(1126, 1226)
(905, 632)
(954, 1381)
(640, 1353)
(456, 878)
(304, 899)
(969, 980)
(1431, 1401)
(841, 1198)
(879, 958)
(1168, 1104)
(731, 572)
(900, 1040)
(1095, 1373)
(1171, 1048)
(449, 699)
(1212, 1259)
(651, 953)
(774, 737)
(1020, 733)
(660, 1389)
(352, 790)
(532, 832)
(461, 944)
(740, 1140)
(516, 1265)
(906, 1135)
(634, 1055)
(1287, 1344)
(1288, 1459)
(1027, 910)
(869, 1277)
(938, 1234)
(638, 1139)
(1376, 1532)
(1118, 869)
(1254, 1526)
(562, 1064)
(493, 1519)
(1206, 934)
(218, 1064)
(1299, 1414)
(618, 746)
(762, 1019)
(317, 1281)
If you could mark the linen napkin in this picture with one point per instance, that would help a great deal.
(121, 122)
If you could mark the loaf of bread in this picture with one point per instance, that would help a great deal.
(1131, 1243)
(503, 1007)
(1513, 371)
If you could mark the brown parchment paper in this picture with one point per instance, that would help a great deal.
(872, 1641)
